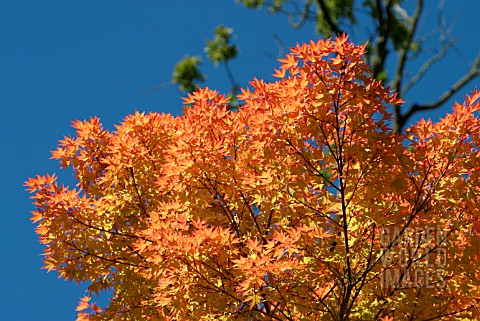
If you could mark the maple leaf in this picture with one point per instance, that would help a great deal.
(83, 304)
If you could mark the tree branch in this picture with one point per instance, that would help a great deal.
(384, 26)
(445, 46)
(426, 66)
(474, 72)
(328, 19)
(397, 82)
(304, 15)
(155, 88)
(231, 78)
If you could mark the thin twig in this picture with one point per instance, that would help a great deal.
(426, 66)
(155, 88)
(231, 78)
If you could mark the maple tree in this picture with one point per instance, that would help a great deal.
(303, 205)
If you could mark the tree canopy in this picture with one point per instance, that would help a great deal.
(303, 205)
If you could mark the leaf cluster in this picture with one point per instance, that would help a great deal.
(187, 73)
(219, 49)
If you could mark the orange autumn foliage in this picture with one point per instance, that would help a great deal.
(303, 205)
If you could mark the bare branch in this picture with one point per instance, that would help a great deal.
(426, 66)
(280, 45)
(400, 120)
(296, 17)
(281, 48)
(155, 88)
(397, 82)
(304, 16)
(474, 71)
(445, 46)
(231, 78)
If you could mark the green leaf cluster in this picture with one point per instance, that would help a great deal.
(220, 49)
(187, 73)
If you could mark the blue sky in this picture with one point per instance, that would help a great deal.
(67, 60)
